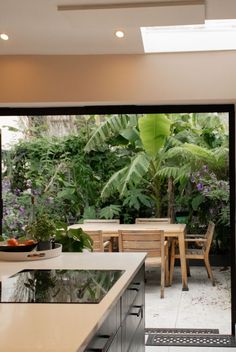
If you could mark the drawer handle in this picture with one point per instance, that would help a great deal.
(139, 312)
(133, 289)
(106, 345)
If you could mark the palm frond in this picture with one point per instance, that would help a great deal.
(179, 153)
(222, 156)
(199, 151)
(192, 153)
(169, 171)
(176, 172)
(109, 128)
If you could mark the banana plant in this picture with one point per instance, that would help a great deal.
(149, 136)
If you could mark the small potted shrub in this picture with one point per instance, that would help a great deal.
(42, 229)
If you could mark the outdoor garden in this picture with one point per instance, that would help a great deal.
(120, 166)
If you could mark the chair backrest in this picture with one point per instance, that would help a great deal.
(101, 221)
(97, 240)
(152, 220)
(150, 241)
(209, 236)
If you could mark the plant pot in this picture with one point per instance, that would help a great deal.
(44, 245)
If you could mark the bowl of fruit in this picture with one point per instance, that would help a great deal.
(14, 245)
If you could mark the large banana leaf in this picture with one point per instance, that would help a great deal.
(128, 176)
(154, 129)
(113, 183)
(110, 127)
(135, 172)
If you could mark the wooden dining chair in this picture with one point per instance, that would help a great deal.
(108, 242)
(98, 244)
(202, 253)
(152, 220)
(150, 241)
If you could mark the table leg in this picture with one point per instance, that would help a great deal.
(183, 262)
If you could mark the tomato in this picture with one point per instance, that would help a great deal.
(12, 242)
(29, 242)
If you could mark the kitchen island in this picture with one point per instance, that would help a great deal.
(74, 327)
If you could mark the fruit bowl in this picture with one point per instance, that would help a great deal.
(21, 247)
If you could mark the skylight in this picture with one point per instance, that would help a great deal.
(213, 35)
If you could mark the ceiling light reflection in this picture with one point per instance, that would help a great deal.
(4, 36)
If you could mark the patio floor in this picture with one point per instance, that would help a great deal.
(202, 307)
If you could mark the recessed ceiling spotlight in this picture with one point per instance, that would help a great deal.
(4, 36)
(119, 34)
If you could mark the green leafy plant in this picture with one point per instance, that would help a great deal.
(42, 228)
(135, 198)
(109, 212)
(72, 240)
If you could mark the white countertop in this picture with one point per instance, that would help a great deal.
(61, 327)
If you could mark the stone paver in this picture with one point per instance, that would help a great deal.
(203, 306)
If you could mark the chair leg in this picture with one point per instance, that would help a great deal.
(172, 261)
(209, 271)
(162, 279)
(188, 268)
(167, 270)
(110, 246)
(167, 273)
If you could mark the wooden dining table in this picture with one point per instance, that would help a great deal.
(170, 231)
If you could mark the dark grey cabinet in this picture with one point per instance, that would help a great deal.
(123, 330)
(132, 310)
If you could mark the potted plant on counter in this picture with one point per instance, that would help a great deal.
(72, 240)
(43, 230)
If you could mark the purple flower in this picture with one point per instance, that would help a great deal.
(200, 186)
(17, 192)
(22, 210)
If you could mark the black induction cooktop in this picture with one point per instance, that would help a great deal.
(58, 286)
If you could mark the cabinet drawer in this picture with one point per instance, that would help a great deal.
(107, 332)
(129, 326)
(105, 343)
(138, 342)
(135, 290)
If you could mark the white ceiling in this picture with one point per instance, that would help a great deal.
(39, 27)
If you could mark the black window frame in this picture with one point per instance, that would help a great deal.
(155, 109)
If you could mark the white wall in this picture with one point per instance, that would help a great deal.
(181, 78)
